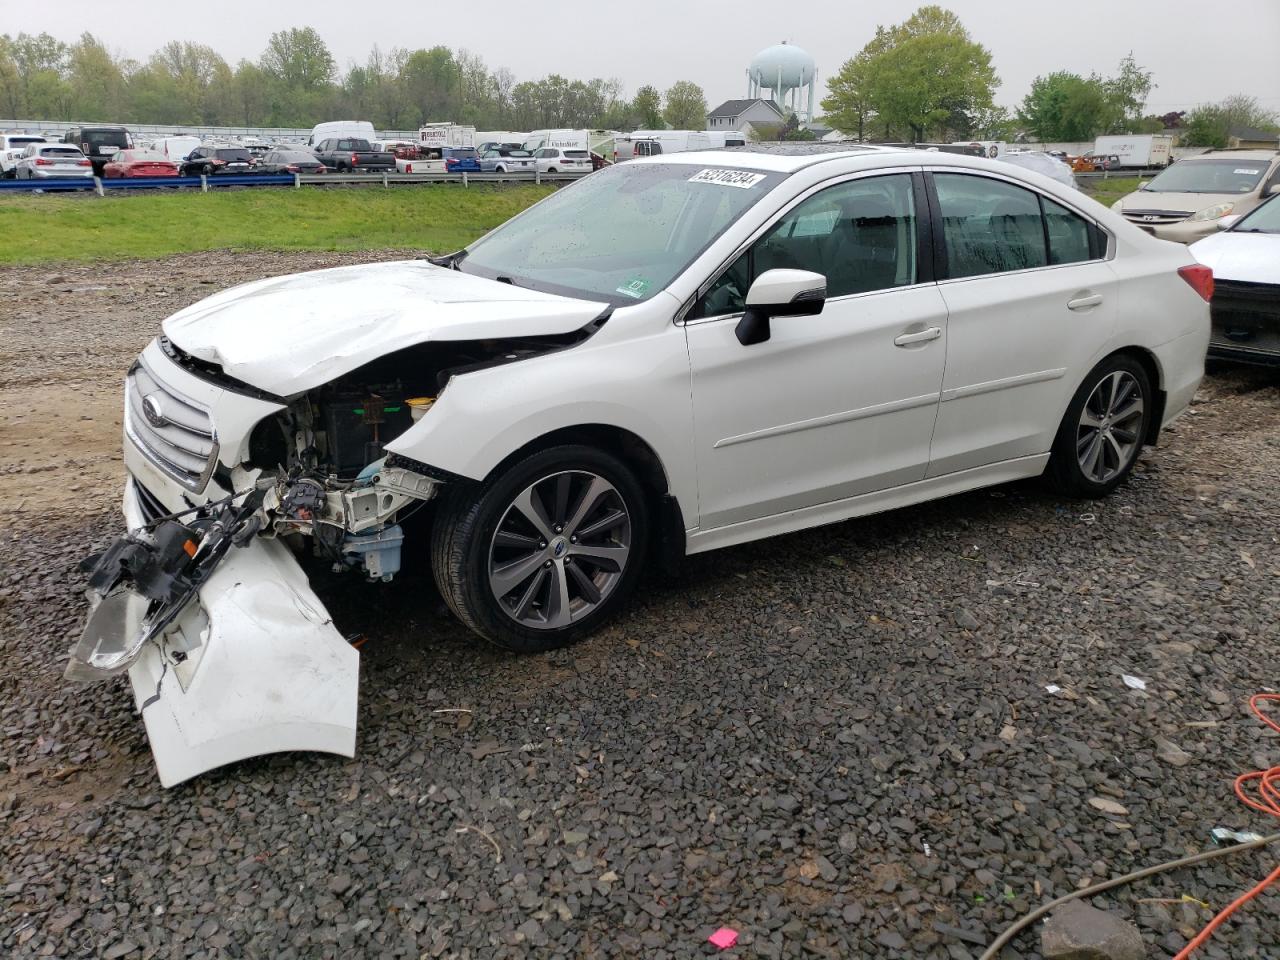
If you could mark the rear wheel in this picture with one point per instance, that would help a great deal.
(1103, 430)
(545, 553)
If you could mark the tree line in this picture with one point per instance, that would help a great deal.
(296, 82)
(928, 79)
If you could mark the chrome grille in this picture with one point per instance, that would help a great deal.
(174, 432)
(1141, 217)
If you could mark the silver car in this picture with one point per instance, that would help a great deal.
(506, 160)
(53, 161)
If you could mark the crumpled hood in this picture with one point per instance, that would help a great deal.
(292, 333)
(1248, 257)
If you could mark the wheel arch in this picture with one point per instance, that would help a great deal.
(639, 455)
(1155, 374)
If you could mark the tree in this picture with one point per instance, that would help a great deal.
(1128, 90)
(647, 107)
(686, 106)
(791, 130)
(925, 74)
(1210, 125)
(298, 58)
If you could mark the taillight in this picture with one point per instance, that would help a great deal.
(42, 162)
(84, 163)
(1200, 277)
(355, 159)
(292, 168)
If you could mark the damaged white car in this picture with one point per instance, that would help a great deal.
(669, 356)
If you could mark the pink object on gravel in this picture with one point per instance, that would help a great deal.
(724, 938)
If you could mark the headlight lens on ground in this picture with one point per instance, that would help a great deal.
(1214, 212)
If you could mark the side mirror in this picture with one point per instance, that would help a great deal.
(1229, 221)
(780, 293)
(1272, 190)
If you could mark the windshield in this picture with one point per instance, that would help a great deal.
(464, 153)
(1209, 176)
(1263, 219)
(621, 234)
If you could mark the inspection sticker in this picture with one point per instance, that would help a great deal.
(743, 179)
(636, 288)
(1245, 172)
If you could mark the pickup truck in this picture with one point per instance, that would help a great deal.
(346, 155)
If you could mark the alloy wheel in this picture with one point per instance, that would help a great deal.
(1110, 428)
(560, 549)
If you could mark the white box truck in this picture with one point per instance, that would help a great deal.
(1136, 150)
(437, 136)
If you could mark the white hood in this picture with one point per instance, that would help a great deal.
(289, 334)
(1248, 257)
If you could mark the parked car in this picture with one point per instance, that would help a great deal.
(669, 356)
(554, 160)
(52, 161)
(139, 163)
(506, 160)
(211, 161)
(291, 161)
(1092, 163)
(99, 144)
(460, 159)
(1184, 202)
(1245, 259)
(348, 155)
(12, 146)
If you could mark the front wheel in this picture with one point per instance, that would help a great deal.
(545, 553)
(1103, 430)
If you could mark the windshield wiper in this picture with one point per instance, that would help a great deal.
(449, 260)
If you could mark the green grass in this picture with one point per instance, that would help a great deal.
(432, 218)
(1110, 190)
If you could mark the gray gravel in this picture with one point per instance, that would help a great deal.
(838, 743)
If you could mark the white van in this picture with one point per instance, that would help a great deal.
(346, 129)
(676, 141)
(558, 140)
(175, 149)
(726, 138)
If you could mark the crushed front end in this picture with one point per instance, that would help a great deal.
(203, 601)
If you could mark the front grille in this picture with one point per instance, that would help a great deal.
(174, 432)
(1141, 217)
(1246, 316)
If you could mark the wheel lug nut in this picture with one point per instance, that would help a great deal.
(568, 560)
(542, 544)
(573, 539)
(559, 528)
(547, 563)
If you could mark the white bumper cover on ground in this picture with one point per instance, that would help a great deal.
(265, 671)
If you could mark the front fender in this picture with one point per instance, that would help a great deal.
(638, 383)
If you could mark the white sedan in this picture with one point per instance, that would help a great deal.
(1245, 259)
(672, 355)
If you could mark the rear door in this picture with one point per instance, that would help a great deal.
(1030, 297)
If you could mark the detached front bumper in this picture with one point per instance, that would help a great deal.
(251, 664)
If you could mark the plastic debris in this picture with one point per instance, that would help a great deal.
(1088, 518)
(1222, 834)
(1133, 683)
(1052, 688)
(724, 938)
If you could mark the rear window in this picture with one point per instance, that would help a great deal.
(23, 141)
(106, 138)
(61, 152)
(463, 153)
(576, 154)
(232, 154)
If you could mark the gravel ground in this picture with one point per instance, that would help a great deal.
(838, 743)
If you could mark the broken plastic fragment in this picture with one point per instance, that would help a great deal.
(1222, 834)
(1052, 688)
(1133, 683)
(724, 938)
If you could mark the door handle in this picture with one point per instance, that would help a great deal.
(923, 336)
(1084, 303)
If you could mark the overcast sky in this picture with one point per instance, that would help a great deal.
(1194, 58)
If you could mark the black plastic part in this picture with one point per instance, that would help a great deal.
(753, 327)
(395, 460)
(358, 426)
(156, 567)
(672, 543)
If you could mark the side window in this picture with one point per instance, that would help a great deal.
(1068, 234)
(861, 235)
(989, 226)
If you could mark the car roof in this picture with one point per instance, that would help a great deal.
(790, 158)
(1226, 153)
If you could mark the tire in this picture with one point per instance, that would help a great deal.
(499, 169)
(1103, 431)
(552, 170)
(481, 531)
(208, 170)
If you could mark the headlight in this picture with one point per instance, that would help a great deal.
(1212, 213)
(1118, 206)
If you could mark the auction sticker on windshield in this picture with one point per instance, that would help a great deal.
(743, 179)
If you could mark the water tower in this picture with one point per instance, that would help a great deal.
(784, 70)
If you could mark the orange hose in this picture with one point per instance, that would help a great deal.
(1265, 798)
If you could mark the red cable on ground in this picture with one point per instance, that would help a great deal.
(1265, 798)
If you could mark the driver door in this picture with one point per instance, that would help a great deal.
(834, 405)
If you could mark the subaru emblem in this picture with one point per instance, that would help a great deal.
(154, 412)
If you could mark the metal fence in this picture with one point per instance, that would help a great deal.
(296, 180)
